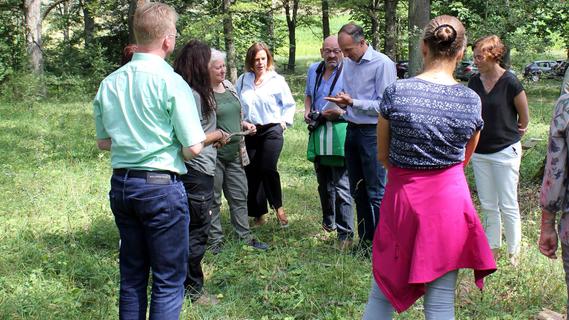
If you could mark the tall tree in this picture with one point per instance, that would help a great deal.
(291, 14)
(133, 4)
(325, 19)
(228, 38)
(33, 21)
(419, 15)
(390, 48)
(88, 22)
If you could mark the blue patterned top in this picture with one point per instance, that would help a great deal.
(430, 123)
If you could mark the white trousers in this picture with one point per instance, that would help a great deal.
(497, 175)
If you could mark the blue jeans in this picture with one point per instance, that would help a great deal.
(438, 303)
(335, 198)
(367, 177)
(152, 218)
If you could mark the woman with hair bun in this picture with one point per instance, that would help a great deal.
(428, 229)
(496, 160)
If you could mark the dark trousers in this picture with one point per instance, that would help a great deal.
(199, 187)
(565, 258)
(335, 198)
(367, 176)
(152, 218)
(263, 179)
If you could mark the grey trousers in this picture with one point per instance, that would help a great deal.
(231, 179)
(438, 300)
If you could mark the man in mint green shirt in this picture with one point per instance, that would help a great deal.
(145, 114)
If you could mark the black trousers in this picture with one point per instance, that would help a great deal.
(263, 179)
(199, 187)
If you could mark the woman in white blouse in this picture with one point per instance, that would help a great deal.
(269, 105)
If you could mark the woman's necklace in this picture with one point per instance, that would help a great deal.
(259, 80)
(490, 80)
(219, 88)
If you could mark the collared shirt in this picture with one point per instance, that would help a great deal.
(270, 102)
(149, 113)
(554, 195)
(365, 82)
(323, 89)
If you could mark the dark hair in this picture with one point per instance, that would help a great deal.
(192, 64)
(445, 36)
(491, 47)
(352, 29)
(127, 53)
(252, 52)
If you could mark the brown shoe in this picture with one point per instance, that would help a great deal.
(281, 217)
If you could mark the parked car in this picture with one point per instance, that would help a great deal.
(465, 70)
(539, 69)
(560, 68)
(402, 67)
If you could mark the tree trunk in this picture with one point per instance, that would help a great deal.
(88, 23)
(390, 48)
(419, 15)
(133, 4)
(32, 17)
(291, 24)
(375, 23)
(325, 19)
(271, 27)
(228, 38)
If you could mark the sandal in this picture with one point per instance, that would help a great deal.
(281, 217)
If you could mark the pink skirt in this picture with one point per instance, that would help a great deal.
(427, 227)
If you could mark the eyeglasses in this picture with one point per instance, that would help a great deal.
(479, 57)
(176, 35)
(329, 51)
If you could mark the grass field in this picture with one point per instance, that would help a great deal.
(59, 242)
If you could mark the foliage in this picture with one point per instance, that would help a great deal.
(59, 242)
(13, 46)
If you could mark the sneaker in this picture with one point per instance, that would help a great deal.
(216, 248)
(256, 244)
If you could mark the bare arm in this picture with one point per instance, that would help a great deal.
(307, 104)
(470, 147)
(548, 235)
(383, 138)
(192, 151)
(521, 104)
(104, 144)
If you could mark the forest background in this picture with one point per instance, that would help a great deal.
(57, 234)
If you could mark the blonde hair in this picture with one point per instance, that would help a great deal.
(152, 21)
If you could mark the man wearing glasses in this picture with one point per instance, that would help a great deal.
(326, 144)
(145, 114)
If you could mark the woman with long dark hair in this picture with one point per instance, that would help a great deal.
(428, 228)
(192, 64)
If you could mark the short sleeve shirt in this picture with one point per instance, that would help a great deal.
(317, 90)
(430, 124)
(149, 113)
(499, 113)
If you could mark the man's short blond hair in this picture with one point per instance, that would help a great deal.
(152, 21)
